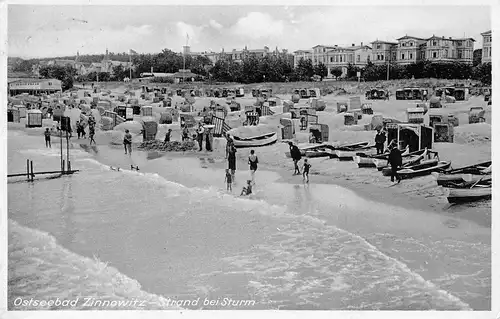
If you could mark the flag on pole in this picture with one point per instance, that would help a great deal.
(133, 52)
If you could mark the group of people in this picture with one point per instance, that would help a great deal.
(296, 157)
(395, 158)
(253, 162)
(80, 130)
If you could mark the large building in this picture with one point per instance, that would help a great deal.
(384, 52)
(441, 49)
(410, 50)
(486, 55)
(34, 86)
(238, 55)
(334, 56)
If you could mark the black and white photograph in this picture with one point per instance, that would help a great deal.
(255, 156)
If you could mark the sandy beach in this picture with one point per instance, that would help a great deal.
(289, 226)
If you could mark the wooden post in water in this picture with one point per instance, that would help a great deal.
(32, 174)
(67, 148)
(62, 165)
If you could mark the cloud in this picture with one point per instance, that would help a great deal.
(193, 31)
(257, 25)
(214, 24)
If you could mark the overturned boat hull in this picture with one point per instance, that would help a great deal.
(464, 195)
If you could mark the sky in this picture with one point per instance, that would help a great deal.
(59, 30)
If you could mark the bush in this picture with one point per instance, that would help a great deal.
(174, 146)
(162, 80)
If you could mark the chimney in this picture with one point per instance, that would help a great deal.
(353, 44)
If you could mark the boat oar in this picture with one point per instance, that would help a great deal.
(477, 182)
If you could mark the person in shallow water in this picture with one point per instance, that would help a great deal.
(295, 154)
(253, 160)
(247, 190)
(127, 142)
(200, 134)
(305, 171)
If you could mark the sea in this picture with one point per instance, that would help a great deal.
(171, 236)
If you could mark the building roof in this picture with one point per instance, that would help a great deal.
(449, 38)
(305, 51)
(380, 41)
(326, 46)
(184, 74)
(486, 33)
(410, 37)
(32, 80)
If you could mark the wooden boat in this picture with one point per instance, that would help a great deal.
(364, 161)
(255, 141)
(352, 146)
(313, 147)
(318, 152)
(464, 195)
(471, 169)
(452, 180)
(425, 168)
(408, 159)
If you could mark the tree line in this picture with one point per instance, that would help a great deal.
(252, 69)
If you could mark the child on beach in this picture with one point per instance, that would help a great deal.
(47, 138)
(305, 171)
(91, 135)
(229, 179)
(247, 190)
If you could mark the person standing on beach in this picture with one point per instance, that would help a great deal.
(295, 154)
(91, 135)
(379, 141)
(185, 133)
(229, 144)
(127, 142)
(231, 160)
(199, 136)
(253, 160)
(167, 136)
(47, 138)
(229, 180)
(395, 160)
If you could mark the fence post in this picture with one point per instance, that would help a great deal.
(32, 174)
(28, 169)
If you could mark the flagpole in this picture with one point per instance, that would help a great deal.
(184, 60)
(130, 64)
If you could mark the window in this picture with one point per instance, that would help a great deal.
(378, 57)
(340, 58)
(368, 59)
(324, 50)
(434, 43)
(331, 59)
(378, 46)
(50, 83)
(411, 44)
(434, 54)
(381, 57)
(411, 56)
(459, 54)
(402, 56)
(489, 52)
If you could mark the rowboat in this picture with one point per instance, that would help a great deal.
(255, 141)
(425, 168)
(314, 147)
(408, 159)
(364, 161)
(459, 180)
(463, 195)
(318, 152)
(352, 146)
(480, 168)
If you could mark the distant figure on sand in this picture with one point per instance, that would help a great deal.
(167, 136)
(185, 134)
(253, 160)
(229, 144)
(199, 133)
(91, 135)
(229, 180)
(47, 138)
(305, 171)
(395, 160)
(295, 154)
(231, 160)
(379, 141)
(127, 142)
(247, 190)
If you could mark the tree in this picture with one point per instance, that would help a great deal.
(482, 72)
(336, 72)
(321, 70)
(477, 56)
(304, 70)
(66, 74)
